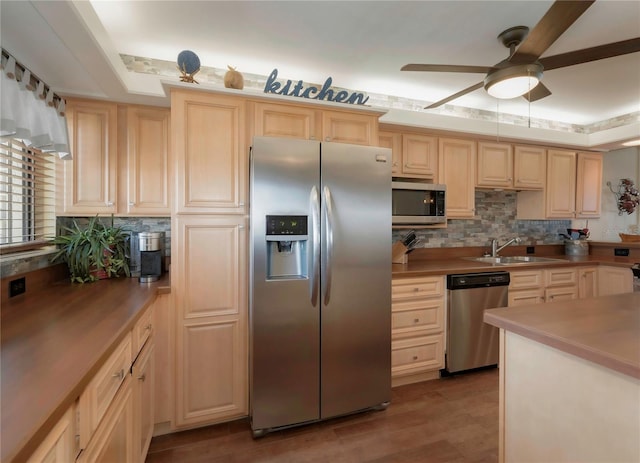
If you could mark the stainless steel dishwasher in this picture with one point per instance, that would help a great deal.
(471, 343)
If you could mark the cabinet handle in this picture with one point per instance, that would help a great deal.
(148, 327)
(415, 357)
(241, 204)
(510, 178)
(416, 320)
(109, 203)
(119, 374)
(416, 289)
(142, 377)
(327, 139)
(395, 164)
(131, 203)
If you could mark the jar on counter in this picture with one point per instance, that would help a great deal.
(576, 248)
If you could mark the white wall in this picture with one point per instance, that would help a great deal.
(624, 163)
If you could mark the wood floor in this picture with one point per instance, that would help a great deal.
(453, 419)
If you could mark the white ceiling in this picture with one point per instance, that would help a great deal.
(75, 45)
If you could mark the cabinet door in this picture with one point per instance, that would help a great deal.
(495, 165)
(209, 152)
(211, 339)
(526, 279)
(614, 280)
(348, 127)
(417, 355)
(147, 162)
(394, 142)
(89, 179)
(419, 156)
(113, 441)
(587, 282)
(60, 444)
(589, 185)
(529, 167)
(561, 184)
(275, 120)
(457, 171)
(560, 276)
(164, 326)
(143, 373)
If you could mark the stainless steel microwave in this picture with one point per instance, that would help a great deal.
(418, 203)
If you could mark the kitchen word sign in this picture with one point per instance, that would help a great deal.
(311, 92)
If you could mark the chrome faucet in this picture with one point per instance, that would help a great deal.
(495, 249)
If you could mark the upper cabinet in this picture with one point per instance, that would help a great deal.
(588, 185)
(310, 123)
(457, 159)
(89, 184)
(414, 155)
(120, 160)
(573, 188)
(501, 165)
(209, 152)
(147, 162)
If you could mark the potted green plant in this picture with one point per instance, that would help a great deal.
(93, 252)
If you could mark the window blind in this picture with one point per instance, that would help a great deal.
(27, 195)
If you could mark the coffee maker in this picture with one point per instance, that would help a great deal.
(151, 248)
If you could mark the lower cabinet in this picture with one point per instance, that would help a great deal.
(60, 445)
(417, 329)
(614, 280)
(537, 286)
(143, 378)
(587, 282)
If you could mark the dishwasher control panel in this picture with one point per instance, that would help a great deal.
(477, 280)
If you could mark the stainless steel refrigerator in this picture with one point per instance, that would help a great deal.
(320, 299)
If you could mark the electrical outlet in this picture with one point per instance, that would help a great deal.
(17, 286)
(624, 252)
(531, 249)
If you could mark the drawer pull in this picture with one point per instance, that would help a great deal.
(148, 327)
(416, 289)
(142, 377)
(415, 357)
(119, 374)
(416, 320)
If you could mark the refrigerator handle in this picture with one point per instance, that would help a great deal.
(327, 267)
(314, 201)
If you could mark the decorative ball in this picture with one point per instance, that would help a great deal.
(233, 79)
(188, 62)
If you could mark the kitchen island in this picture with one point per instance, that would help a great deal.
(570, 380)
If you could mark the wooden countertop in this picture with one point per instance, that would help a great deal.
(462, 265)
(52, 342)
(604, 330)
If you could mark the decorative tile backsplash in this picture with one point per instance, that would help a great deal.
(495, 218)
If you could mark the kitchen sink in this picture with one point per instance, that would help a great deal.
(511, 260)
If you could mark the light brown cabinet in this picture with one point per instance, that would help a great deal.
(89, 180)
(573, 188)
(502, 165)
(210, 287)
(209, 153)
(587, 282)
(547, 285)
(311, 123)
(456, 167)
(614, 280)
(164, 325)
(417, 329)
(414, 155)
(120, 161)
(143, 378)
(60, 445)
(147, 191)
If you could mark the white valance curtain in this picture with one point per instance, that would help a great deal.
(30, 111)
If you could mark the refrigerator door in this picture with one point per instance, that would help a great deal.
(285, 344)
(356, 278)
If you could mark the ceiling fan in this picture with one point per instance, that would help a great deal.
(521, 73)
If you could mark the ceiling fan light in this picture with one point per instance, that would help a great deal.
(513, 81)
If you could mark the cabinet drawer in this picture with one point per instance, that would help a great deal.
(424, 316)
(141, 331)
(99, 394)
(565, 293)
(561, 277)
(417, 354)
(526, 279)
(410, 288)
(526, 297)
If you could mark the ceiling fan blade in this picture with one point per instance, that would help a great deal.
(445, 68)
(456, 95)
(590, 54)
(538, 92)
(556, 20)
